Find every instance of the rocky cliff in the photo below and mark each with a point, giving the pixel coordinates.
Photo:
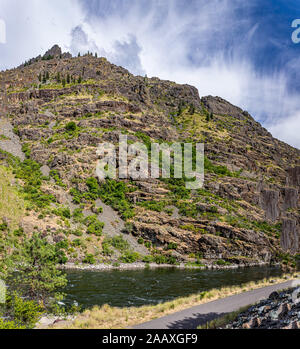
(60, 108)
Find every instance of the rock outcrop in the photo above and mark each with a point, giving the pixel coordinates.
(279, 311)
(247, 211)
(290, 236)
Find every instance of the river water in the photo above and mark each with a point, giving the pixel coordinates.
(152, 286)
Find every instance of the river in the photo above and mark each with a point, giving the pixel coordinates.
(144, 287)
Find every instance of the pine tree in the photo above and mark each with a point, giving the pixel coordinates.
(192, 109)
(58, 77)
(209, 116)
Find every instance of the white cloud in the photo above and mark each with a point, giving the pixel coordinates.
(194, 44)
(33, 26)
(287, 129)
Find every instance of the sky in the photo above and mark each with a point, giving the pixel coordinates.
(239, 50)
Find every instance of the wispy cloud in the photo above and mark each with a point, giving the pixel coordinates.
(239, 51)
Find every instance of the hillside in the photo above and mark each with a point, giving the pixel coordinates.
(55, 110)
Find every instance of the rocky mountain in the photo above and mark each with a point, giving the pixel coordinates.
(55, 109)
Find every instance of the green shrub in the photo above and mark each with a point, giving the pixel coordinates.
(130, 257)
(148, 244)
(89, 259)
(160, 259)
(177, 187)
(29, 172)
(95, 227)
(77, 232)
(106, 250)
(55, 175)
(71, 126)
(76, 242)
(219, 170)
(172, 246)
(157, 206)
(140, 241)
(63, 212)
(38, 276)
(221, 262)
(119, 243)
(3, 226)
(111, 192)
(18, 232)
(78, 215)
(26, 150)
(148, 259)
(128, 229)
(25, 312)
(64, 244)
(10, 325)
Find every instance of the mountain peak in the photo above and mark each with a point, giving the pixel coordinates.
(56, 52)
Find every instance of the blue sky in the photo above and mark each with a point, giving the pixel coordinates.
(240, 50)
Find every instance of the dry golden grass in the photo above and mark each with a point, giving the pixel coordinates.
(224, 320)
(11, 204)
(107, 317)
(196, 124)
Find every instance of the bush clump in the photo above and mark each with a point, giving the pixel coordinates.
(130, 257)
(71, 127)
(111, 192)
(89, 259)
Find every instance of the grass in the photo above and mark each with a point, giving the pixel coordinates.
(223, 320)
(107, 317)
(11, 204)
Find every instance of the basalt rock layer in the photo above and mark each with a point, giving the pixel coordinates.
(246, 212)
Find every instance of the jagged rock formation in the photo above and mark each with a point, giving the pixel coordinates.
(290, 235)
(279, 311)
(269, 202)
(247, 211)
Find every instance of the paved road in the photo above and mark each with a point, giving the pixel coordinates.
(193, 317)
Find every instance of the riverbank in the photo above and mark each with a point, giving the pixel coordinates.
(140, 266)
(192, 318)
(280, 310)
(107, 317)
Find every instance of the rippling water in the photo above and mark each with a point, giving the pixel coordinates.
(142, 287)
